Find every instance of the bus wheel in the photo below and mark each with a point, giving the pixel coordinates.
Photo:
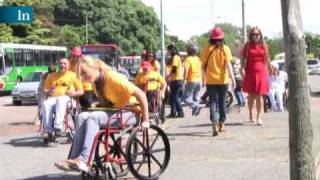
(17, 102)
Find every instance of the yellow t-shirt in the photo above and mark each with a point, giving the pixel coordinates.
(118, 89)
(193, 65)
(62, 82)
(155, 66)
(216, 64)
(153, 78)
(176, 62)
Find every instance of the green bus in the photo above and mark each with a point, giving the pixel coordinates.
(18, 60)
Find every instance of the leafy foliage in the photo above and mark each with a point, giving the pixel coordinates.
(128, 23)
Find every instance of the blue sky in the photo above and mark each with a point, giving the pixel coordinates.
(185, 18)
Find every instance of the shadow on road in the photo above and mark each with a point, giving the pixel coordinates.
(193, 134)
(209, 125)
(21, 124)
(34, 142)
(55, 177)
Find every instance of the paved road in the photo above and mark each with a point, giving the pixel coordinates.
(243, 152)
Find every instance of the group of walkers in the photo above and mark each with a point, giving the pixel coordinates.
(89, 78)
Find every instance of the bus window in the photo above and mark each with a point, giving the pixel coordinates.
(47, 58)
(55, 56)
(8, 62)
(28, 57)
(38, 58)
(62, 54)
(18, 54)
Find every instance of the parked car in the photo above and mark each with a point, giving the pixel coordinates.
(27, 90)
(313, 66)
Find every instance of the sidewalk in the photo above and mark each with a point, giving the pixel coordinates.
(243, 152)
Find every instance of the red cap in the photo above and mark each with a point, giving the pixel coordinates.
(146, 65)
(76, 51)
(217, 33)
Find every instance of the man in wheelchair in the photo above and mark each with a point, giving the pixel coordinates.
(151, 82)
(59, 88)
(113, 89)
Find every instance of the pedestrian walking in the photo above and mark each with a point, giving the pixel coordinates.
(192, 76)
(216, 66)
(254, 63)
(236, 65)
(175, 76)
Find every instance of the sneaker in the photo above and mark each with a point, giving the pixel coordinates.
(214, 130)
(221, 127)
(198, 111)
(172, 116)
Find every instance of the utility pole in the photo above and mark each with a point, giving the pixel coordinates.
(244, 27)
(302, 165)
(163, 63)
(86, 28)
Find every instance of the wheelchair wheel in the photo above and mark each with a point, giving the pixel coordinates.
(229, 98)
(112, 170)
(153, 154)
(93, 175)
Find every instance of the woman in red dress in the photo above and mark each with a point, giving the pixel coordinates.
(255, 60)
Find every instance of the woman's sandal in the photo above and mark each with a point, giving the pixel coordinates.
(259, 122)
(64, 165)
(78, 165)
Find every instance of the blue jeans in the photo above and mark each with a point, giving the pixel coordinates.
(191, 94)
(217, 100)
(175, 96)
(239, 95)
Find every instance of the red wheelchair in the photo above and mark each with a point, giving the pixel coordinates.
(120, 148)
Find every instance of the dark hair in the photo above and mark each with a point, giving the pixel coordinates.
(215, 41)
(173, 49)
(52, 68)
(192, 50)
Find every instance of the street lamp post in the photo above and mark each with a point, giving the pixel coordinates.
(162, 41)
(244, 28)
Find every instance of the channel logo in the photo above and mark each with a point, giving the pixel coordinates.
(16, 14)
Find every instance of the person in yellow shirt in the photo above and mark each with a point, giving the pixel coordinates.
(59, 87)
(150, 81)
(88, 97)
(216, 67)
(176, 81)
(111, 87)
(192, 73)
(155, 65)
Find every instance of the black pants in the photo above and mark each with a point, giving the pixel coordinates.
(175, 97)
(217, 100)
(151, 100)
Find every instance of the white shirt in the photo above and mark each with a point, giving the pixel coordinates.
(278, 83)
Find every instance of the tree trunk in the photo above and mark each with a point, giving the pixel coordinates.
(300, 129)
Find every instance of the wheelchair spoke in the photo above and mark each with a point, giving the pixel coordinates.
(149, 160)
(156, 160)
(154, 141)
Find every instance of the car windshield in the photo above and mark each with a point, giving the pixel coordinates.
(33, 77)
(312, 62)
